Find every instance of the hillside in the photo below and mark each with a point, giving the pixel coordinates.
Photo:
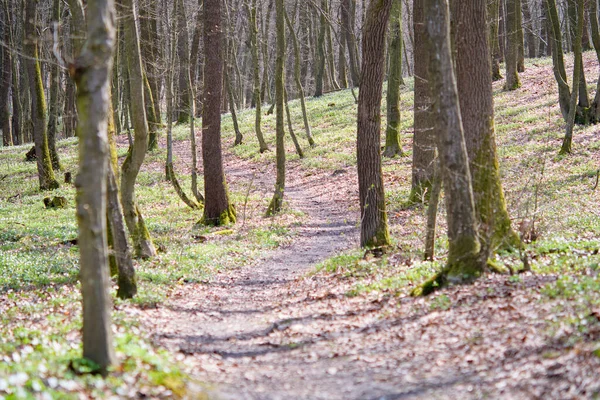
(289, 307)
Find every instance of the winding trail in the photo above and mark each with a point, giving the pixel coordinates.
(270, 331)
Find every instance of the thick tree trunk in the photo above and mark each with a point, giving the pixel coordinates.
(217, 208)
(39, 114)
(373, 216)
(463, 262)
(277, 200)
(477, 112)
(424, 125)
(513, 11)
(92, 77)
(392, 132)
(142, 241)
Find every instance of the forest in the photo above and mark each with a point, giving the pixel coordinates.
(286, 199)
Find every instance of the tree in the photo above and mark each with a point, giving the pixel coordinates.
(424, 121)
(39, 113)
(5, 82)
(298, 81)
(256, 75)
(494, 23)
(463, 263)
(92, 76)
(183, 51)
(277, 200)
(54, 96)
(348, 8)
(474, 85)
(392, 134)
(577, 68)
(373, 216)
(320, 62)
(142, 241)
(217, 208)
(513, 11)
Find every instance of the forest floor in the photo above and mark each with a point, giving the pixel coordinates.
(276, 330)
(289, 307)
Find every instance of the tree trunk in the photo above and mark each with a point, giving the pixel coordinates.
(463, 262)
(577, 68)
(5, 82)
(297, 79)
(342, 73)
(528, 28)
(373, 216)
(217, 208)
(513, 11)
(142, 241)
(183, 66)
(54, 97)
(320, 61)
(521, 36)
(593, 17)
(277, 200)
(560, 74)
(392, 132)
(256, 76)
(494, 23)
(330, 58)
(39, 114)
(92, 77)
(424, 125)
(477, 111)
(348, 9)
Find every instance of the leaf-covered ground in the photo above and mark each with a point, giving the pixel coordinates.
(288, 307)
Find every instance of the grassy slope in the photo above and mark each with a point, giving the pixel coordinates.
(39, 299)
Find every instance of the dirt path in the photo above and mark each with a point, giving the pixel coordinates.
(269, 331)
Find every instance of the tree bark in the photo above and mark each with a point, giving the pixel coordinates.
(217, 208)
(373, 216)
(593, 17)
(297, 79)
(320, 61)
(6, 82)
(277, 200)
(256, 75)
(392, 132)
(494, 22)
(183, 67)
(424, 125)
(560, 74)
(463, 262)
(92, 76)
(513, 11)
(39, 113)
(348, 8)
(474, 86)
(577, 68)
(54, 97)
(142, 241)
